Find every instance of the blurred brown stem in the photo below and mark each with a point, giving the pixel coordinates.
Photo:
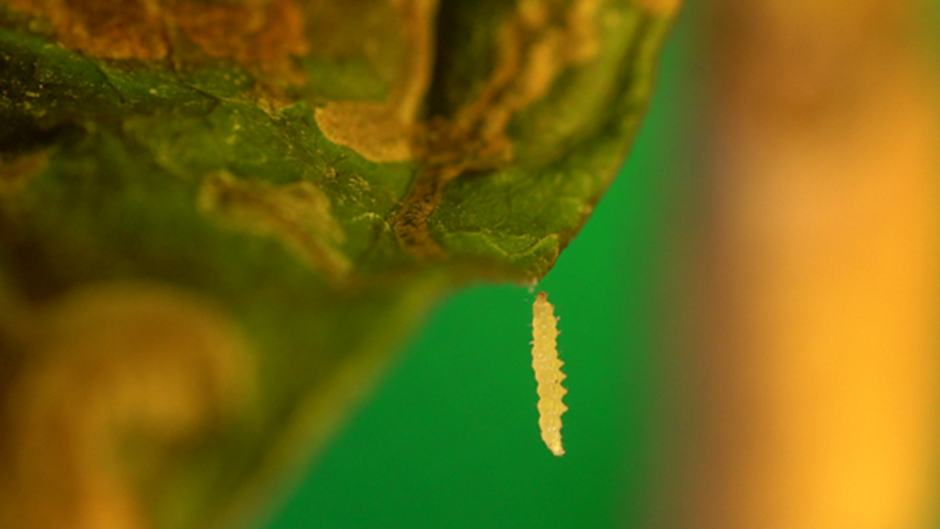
(817, 343)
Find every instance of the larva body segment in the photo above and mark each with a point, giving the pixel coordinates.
(548, 373)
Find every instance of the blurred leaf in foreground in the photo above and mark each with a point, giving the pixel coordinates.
(217, 218)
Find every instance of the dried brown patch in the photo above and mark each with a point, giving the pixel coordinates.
(535, 46)
(297, 214)
(107, 368)
(374, 130)
(15, 173)
(113, 29)
(263, 35)
(382, 132)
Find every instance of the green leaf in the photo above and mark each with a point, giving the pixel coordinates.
(217, 220)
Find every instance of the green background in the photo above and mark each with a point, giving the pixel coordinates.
(450, 438)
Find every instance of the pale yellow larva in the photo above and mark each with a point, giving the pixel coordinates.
(548, 372)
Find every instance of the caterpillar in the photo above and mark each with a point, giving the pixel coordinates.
(548, 373)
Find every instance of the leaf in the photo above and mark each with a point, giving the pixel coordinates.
(217, 219)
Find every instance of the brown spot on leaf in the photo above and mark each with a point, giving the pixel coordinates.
(383, 132)
(264, 36)
(297, 214)
(114, 29)
(374, 130)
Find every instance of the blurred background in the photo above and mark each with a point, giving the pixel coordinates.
(748, 320)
